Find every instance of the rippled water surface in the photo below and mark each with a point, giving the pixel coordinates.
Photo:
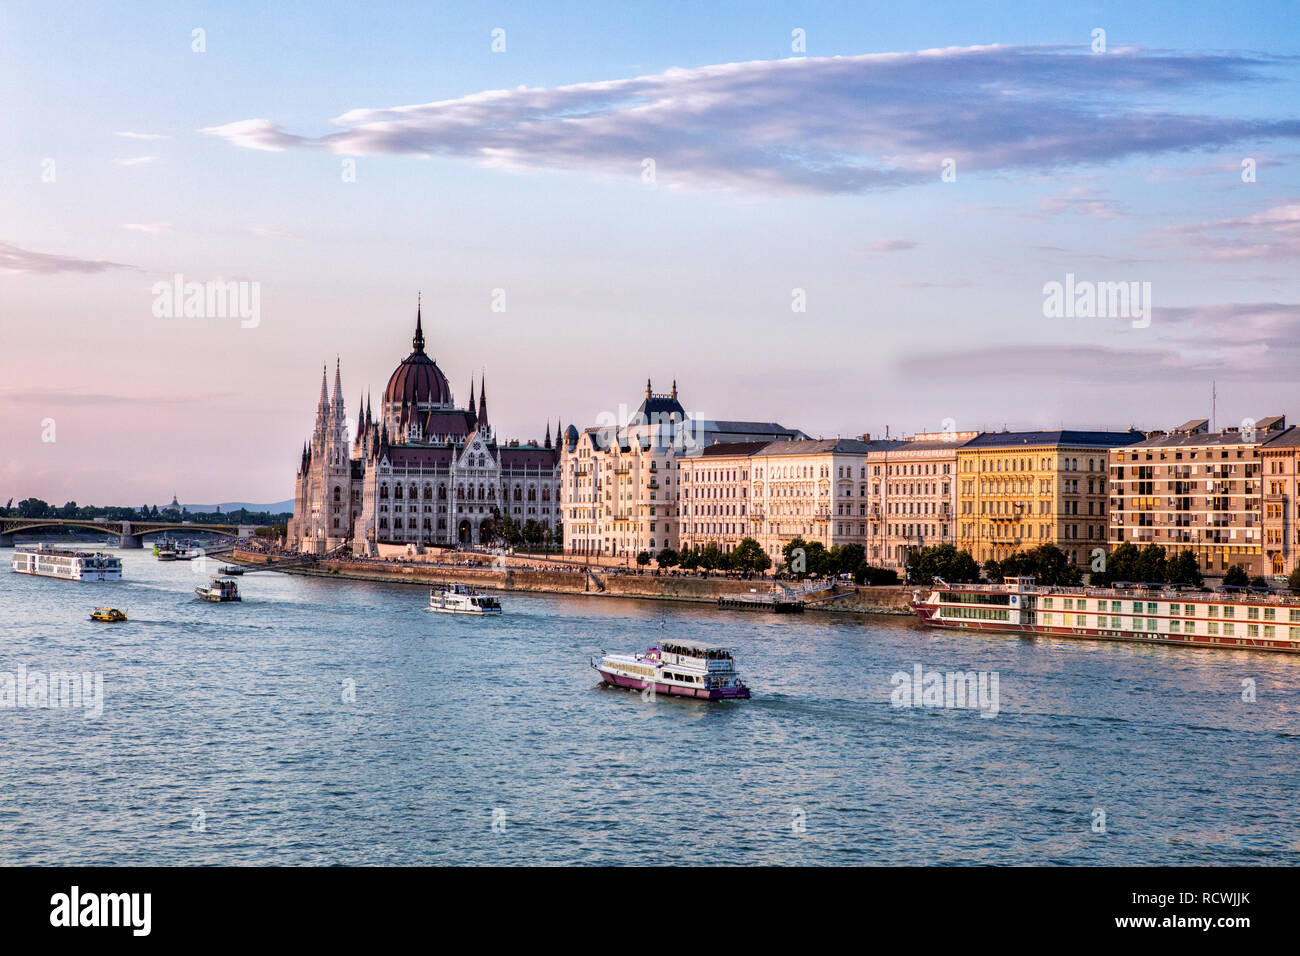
(233, 716)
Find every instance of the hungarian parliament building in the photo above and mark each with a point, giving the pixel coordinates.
(424, 471)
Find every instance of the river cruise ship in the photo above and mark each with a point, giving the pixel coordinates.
(677, 668)
(1233, 619)
(67, 564)
(459, 599)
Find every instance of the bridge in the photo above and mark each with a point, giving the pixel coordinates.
(129, 533)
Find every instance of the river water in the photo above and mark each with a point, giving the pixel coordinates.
(334, 722)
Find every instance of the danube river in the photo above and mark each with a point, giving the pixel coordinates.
(336, 722)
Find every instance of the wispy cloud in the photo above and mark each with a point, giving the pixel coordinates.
(257, 134)
(890, 245)
(153, 228)
(1255, 341)
(882, 120)
(1273, 233)
(136, 161)
(273, 232)
(143, 136)
(1081, 200)
(14, 259)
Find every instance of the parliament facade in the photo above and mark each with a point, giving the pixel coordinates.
(422, 471)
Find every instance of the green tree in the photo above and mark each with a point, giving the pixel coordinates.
(942, 561)
(749, 557)
(643, 559)
(667, 558)
(710, 557)
(1121, 565)
(1152, 568)
(1236, 576)
(1184, 569)
(1293, 579)
(690, 559)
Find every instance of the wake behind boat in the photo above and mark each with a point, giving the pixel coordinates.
(460, 599)
(678, 668)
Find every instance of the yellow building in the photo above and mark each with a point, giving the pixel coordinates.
(1019, 490)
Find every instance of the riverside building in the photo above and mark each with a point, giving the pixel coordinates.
(621, 482)
(1019, 490)
(422, 471)
(1191, 489)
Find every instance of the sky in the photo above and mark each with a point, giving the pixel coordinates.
(844, 217)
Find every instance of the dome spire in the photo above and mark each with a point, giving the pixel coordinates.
(418, 342)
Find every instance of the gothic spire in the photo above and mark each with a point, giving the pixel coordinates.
(418, 342)
(548, 435)
(471, 393)
(482, 401)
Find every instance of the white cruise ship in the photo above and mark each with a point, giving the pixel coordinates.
(67, 564)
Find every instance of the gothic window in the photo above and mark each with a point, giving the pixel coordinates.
(337, 492)
(532, 494)
(383, 492)
(397, 491)
(428, 492)
(442, 492)
(519, 493)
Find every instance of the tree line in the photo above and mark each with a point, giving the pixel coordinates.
(1049, 565)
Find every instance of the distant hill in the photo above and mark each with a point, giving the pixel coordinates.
(275, 507)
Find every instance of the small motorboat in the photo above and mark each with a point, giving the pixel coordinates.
(231, 569)
(107, 614)
(219, 591)
(460, 599)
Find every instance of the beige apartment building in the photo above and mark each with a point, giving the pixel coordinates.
(815, 489)
(1195, 490)
(1019, 490)
(912, 495)
(1280, 466)
(620, 483)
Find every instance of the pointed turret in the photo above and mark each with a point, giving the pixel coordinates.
(417, 342)
(548, 435)
(471, 396)
(482, 402)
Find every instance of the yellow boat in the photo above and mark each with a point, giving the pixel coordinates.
(107, 614)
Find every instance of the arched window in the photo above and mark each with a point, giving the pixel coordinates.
(337, 492)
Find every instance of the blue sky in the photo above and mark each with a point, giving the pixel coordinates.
(774, 172)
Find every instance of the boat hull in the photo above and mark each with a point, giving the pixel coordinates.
(475, 612)
(614, 679)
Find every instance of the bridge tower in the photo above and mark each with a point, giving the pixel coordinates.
(128, 540)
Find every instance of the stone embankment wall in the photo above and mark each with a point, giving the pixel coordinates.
(885, 600)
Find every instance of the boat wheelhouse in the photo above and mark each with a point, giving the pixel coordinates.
(67, 564)
(461, 599)
(1235, 619)
(677, 668)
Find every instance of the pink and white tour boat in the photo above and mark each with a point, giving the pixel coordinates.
(1231, 619)
(679, 668)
